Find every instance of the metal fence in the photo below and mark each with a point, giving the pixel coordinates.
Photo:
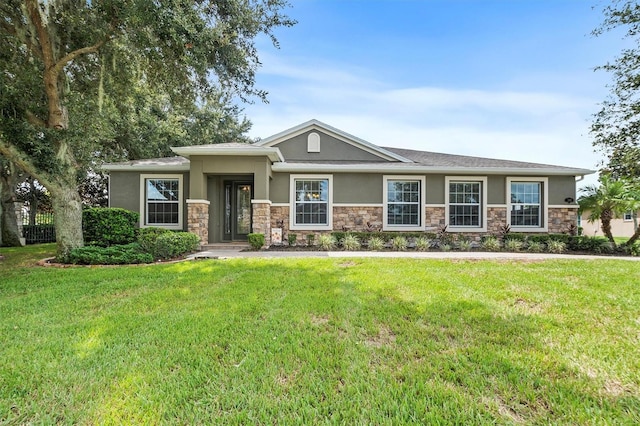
(43, 231)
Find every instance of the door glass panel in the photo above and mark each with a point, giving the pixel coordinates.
(243, 209)
(227, 210)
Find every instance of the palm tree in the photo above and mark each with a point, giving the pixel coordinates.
(607, 201)
(634, 206)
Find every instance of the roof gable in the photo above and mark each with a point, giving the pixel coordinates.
(340, 145)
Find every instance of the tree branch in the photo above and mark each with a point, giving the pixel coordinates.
(59, 65)
(36, 121)
(23, 161)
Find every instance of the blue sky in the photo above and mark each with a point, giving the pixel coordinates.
(503, 78)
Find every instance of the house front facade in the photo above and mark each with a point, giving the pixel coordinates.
(314, 178)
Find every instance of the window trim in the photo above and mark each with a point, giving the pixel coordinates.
(292, 203)
(143, 200)
(483, 202)
(625, 214)
(385, 210)
(544, 203)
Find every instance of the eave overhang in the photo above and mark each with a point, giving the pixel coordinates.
(273, 154)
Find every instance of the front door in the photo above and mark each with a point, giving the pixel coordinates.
(237, 210)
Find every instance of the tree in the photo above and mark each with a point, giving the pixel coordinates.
(56, 55)
(616, 127)
(9, 230)
(611, 199)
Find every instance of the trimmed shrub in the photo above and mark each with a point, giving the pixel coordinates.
(113, 255)
(147, 238)
(350, 242)
(385, 236)
(256, 241)
(109, 226)
(291, 239)
(399, 243)
(490, 244)
(423, 243)
(173, 244)
(327, 242)
(375, 243)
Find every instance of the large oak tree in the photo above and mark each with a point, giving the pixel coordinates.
(55, 54)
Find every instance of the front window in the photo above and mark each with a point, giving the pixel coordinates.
(526, 205)
(311, 202)
(403, 203)
(628, 216)
(163, 201)
(312, 198)
(464, 204)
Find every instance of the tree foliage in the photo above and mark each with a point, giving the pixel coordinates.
(616, 127)
(70, 71)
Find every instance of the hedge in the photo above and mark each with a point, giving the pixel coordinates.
(107, 226)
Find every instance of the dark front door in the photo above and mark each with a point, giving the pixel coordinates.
(237, 210)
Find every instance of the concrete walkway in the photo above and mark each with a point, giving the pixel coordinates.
(234, 253)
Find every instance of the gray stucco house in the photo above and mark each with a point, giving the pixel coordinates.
(314, 178)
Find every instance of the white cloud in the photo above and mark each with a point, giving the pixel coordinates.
(543, 127)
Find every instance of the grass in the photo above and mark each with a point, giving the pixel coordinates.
(319, 341)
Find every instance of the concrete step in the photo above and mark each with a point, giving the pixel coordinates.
(235, 246)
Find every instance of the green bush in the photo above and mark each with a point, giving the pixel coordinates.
(173, 244)
(109, 226)
(311, 239)
(113, 255)
(385, 236)
(490, 244)
(512, 244)
(147, 238)
(291, 239)
(535, 247)
(423, 243)
(556, 246)
(464, 245)
(375, 243)
(399, 243)
(327, 242)
(350, 242)
(256, 241)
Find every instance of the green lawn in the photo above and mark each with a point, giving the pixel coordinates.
(286, 341)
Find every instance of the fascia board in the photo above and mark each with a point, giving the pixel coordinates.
(274, 154)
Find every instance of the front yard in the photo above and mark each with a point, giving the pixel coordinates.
(367, 341)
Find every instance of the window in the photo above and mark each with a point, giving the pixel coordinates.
(465, 203)
(628, 216)
(403, 203)
(311, 202)
(162, 201)
(527, 203)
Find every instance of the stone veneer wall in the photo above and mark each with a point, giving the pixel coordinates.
(262, 219)
(496, 219)
(434, 218)
(198, 219)
(560, 219)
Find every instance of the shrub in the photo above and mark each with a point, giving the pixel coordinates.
(350, 242)
(490, 244)
(423, 243)
(633, 250)
(109, 226)
(113, 255)
(556, 246)
(513, 244)
(173, 244)
(256, 241)
(291, 239)
(399, 243)
(445, 247)
(535, 247)
(311, 239)
(464, 245)
(147, 238)
(327, 242)
(375, 243)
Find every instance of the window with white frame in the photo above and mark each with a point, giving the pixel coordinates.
(311, 202)
(465, 204)
(403, 197)
(628, 216)
(162, 201)
(526, 204)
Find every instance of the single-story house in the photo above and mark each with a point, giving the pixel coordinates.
(623, 226)
(314, 178)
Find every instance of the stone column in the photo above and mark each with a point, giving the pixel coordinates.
(261, 220)
(18, 209)
(198, 219)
